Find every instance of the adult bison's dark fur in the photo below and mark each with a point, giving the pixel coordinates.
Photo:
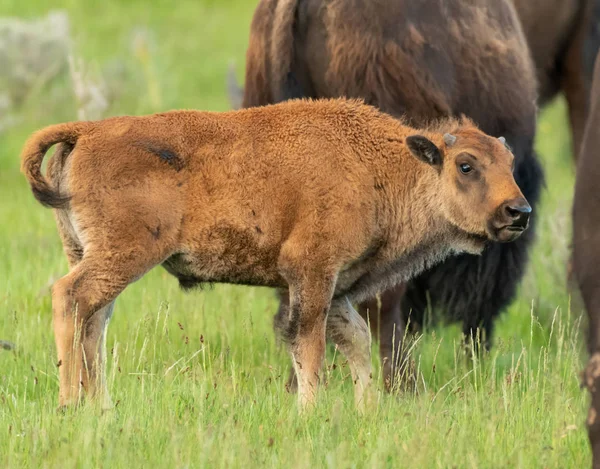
(424, 60)
(563, 47)
(586, 254)
(563, 37)
(592, 41)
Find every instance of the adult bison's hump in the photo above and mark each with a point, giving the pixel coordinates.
(433, 58)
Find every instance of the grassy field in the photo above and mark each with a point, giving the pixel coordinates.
(198, 378)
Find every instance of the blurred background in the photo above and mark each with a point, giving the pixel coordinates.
(87, 60)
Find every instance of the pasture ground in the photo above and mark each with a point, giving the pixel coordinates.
(198, 378)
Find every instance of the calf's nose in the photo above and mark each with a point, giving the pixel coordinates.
(517, 211)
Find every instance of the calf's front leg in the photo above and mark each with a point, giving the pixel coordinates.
(309, 305)
(310, 292)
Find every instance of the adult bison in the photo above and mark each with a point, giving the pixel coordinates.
(586, 255)
(423, 60)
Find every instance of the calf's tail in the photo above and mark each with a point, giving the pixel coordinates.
(33, 154)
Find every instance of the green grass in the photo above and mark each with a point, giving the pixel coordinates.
(198, 378)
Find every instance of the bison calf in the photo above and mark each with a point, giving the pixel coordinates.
(332, 200)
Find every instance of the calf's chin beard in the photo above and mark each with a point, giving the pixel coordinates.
(476, 243)
(470, 241)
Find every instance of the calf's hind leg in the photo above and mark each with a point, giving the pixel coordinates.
(94, 349)
(280, 325)
(82, 303)
(349, 331)
(93, 339)
(395, 343)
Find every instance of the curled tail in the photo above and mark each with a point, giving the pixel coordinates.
(33, 155)
(270, 59)
(284, 76)
(257, 86)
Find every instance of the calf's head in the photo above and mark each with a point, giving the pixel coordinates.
(476, 190)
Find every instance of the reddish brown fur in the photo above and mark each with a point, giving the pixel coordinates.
(586, 255)
(323, 198)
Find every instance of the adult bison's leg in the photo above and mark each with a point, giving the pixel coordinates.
(587, 277)
(576, 69)
(349, 331)
(587, 274)
(574, 86)
(592, 382)
(369, 311)
(393, 348)
(478, 331)
(388, 324)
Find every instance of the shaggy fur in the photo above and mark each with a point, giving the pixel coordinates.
(586, 255)
(591, 42)
(332, 200)
(422, 60)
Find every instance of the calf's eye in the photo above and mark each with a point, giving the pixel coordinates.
(465, 168)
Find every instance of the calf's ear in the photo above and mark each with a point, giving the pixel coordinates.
(424, 149)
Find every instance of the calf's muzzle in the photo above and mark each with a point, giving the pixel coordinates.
(512, 218)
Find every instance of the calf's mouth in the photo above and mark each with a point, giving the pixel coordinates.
(507, 233)
(510, 220)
